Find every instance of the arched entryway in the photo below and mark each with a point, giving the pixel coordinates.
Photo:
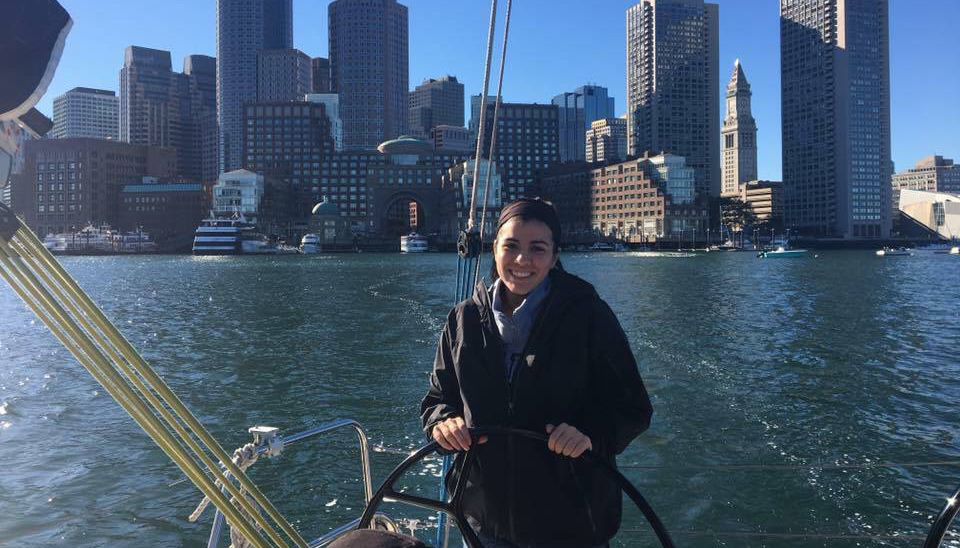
(403, 216)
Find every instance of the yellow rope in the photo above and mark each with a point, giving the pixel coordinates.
(84, 330)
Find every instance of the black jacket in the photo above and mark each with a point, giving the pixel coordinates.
(577, 368)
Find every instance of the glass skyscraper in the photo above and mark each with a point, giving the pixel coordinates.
(244, 28)
(672, 85)
(162, 108)
(835, 103)
(579, 109)
(369, 69)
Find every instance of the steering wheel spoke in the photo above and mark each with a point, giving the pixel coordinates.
(454, 507)
(422, 502)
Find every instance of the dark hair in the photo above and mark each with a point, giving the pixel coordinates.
(533, 209)
(530, 209)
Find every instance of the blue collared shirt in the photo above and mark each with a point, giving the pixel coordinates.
(515, 329)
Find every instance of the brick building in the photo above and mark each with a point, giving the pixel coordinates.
(169, 212)
(639, 200)
(75, 182)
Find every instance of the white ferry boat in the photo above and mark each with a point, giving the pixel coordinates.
(230, 236)
(310, 243)
(133, 242)
(99, 239)
(413, 243)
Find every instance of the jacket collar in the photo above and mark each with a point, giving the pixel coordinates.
(566, 289)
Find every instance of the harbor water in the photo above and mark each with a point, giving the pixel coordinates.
(805, 402)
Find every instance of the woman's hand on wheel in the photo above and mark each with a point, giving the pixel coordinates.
(452, 434)
(566, 440)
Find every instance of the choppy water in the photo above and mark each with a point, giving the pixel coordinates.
(787, 365)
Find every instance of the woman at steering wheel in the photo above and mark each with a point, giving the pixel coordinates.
(538, 350)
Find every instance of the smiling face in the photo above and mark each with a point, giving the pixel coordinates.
(524, 252)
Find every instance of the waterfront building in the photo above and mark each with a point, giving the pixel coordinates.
(672, 81)
(764, 198)
(674, 176)
(331, 106)
(459, 180)
(452, 138)
(835, 109)
(244, 28)
(75, 182)
(568, 187)
(285, 141)
(606, 140)
(435, 102)
(86, 112)
(162, 108)
(369, 69)
(375, 191)
(637, 200)
(934, 213)
(578, 110)
(169, 212)
(739, 135)
(527, 144)
(283, 75)
(238, 192)
(321, 75)
(933, 173)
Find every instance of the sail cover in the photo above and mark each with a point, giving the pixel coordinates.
(32, 35)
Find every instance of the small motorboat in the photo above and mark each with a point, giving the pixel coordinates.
(782, 252)
(894, 252)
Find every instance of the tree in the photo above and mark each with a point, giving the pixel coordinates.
(736, 214)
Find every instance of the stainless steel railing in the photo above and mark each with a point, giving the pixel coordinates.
(272, 444)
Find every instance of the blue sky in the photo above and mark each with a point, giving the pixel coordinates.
(555, 46)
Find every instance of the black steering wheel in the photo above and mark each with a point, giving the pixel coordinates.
(454, 508)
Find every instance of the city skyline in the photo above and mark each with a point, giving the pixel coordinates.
(924, 109)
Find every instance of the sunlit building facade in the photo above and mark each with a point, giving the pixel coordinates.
(835, 109)
(672, 85)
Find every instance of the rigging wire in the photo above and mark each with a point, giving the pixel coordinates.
(483, 110)
(493, 135)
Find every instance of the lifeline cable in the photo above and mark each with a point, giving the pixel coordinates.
(56, 299)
